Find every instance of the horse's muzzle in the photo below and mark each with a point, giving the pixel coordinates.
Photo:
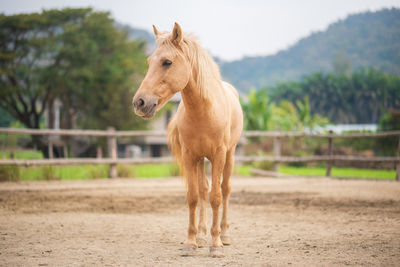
(145, 107)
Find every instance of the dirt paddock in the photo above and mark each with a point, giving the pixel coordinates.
(130, 222)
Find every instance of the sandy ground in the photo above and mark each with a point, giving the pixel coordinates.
(131, 222)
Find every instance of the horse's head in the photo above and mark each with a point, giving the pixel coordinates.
(169, 72)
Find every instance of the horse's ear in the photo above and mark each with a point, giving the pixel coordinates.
(177, 34)
(156, 32)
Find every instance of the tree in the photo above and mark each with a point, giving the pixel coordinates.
(360, 97)
(290, 117)
(262, 114)
(390, 121)
(341, 63)
(28, 61)
(75, 55)
(257, 111)
(103, 66)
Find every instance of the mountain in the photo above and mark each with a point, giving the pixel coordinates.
(139, 34)
(370, 39)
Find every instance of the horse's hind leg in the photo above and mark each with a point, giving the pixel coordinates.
(226, 191)
(203, 192)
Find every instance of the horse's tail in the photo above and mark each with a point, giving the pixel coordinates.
(174, 142)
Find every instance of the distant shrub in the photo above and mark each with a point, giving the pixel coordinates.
(98, 171)
(174, 170)
(125, 172)
(264, 165)
(389, 122)
(49, 174)
(9, 173)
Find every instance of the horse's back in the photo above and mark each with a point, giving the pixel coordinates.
(230, 87)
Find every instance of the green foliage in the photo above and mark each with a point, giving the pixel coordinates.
(261, 114)
(362, 40)
(263, 165)
(148, 170)
(361, 97)
(9, 173)
(257, 111)
(49, 174)
(82, 172)
(20, 154)
(104, 68)
(389, 122)
(338, 172)
(75, 55)
(152, 170)
(244, 170)
(89, 172)
(5, 118)
(29, 61)
(289, 117)
(124, 171)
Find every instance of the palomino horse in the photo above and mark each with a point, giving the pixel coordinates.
(208, 124)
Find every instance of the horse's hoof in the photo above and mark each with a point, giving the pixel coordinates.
(188, 250)
(201, 242)
(226, 240)
(217, 252)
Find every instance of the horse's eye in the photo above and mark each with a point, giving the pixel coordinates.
(167, 63)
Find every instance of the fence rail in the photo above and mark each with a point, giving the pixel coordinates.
(113, 160)
(111, 132)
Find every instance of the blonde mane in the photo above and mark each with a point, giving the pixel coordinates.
(204, 68)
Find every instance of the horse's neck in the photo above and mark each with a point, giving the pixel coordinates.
(195, 104)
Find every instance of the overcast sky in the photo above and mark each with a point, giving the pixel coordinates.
(229, 29)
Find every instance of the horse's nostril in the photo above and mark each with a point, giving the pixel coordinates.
(140, 103)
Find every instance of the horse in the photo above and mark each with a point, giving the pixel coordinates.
(208, 124)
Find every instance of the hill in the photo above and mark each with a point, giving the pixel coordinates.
(139, 34)
(370, 39)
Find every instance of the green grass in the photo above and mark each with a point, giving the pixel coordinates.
(21, 154)
(148, 170)
(338, 172)
(83, 172)
(244, 170)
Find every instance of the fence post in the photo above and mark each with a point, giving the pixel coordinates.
(65, 151)
(99, 152)
(330, 153)
(50, 148)
(112, 153)
(398, 163)
(277, 151)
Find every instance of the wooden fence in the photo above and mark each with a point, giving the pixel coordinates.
(113, 159)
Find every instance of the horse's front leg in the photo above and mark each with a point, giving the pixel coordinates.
(218, 162)
(203, 190)
(190, 166)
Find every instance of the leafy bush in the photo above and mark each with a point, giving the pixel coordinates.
(124, 171)
(361, 97)
(49, 173)
(98, 171)
(9, 173)
(389, 122)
